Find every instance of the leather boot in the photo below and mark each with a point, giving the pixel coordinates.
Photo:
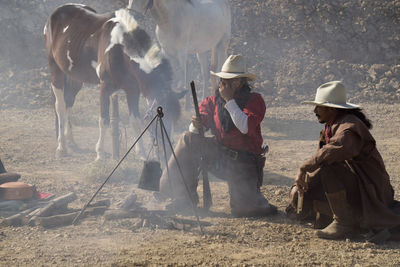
(321, 221)
(344, 224)
(323, 214)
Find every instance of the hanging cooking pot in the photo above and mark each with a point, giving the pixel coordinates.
(150, 177)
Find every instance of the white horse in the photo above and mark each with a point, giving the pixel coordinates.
(191, 27)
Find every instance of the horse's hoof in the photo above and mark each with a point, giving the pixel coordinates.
(61, 154)
(100, 158)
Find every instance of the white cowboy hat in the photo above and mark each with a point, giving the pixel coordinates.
(332, 94)
(234, 67)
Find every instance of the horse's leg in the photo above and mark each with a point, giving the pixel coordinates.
(214, 67)
(71, 89)
(202, 58)
(57, 85)
(104, 119)
(132, 97)
(220, 54)
(61, 111)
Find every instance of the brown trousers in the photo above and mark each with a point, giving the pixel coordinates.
(330, 179)
(243, 176)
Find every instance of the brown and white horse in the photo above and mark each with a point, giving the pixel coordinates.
(107, 49)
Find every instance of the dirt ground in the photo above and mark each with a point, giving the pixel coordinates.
(28, 145)
(292, 46)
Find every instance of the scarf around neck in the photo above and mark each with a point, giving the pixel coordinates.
(240, 97)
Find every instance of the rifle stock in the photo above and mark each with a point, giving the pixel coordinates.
(207, 199)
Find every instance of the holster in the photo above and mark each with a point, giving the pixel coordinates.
(260, 167)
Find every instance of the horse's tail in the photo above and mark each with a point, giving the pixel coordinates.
(47, 37)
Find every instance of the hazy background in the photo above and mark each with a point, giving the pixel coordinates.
(292, 45)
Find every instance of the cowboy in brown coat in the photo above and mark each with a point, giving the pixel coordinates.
(348, 181)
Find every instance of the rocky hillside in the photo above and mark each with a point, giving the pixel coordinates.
(292, 45)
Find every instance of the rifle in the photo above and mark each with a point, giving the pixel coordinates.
(207, 200)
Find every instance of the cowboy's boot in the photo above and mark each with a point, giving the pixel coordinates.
(344, 224)
(323, 214)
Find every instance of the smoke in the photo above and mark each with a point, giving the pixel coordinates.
(294, 46)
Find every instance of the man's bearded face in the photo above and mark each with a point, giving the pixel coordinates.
(324, 114)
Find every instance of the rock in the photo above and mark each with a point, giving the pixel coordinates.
(130, 202)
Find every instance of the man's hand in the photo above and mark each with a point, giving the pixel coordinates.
(197, 123)
(300, 180)
(294, 192)
(227, 92)
(228, 87)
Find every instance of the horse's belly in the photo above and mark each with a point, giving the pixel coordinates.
(87, 75)
(80, 68)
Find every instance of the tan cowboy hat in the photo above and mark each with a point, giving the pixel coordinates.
(332, 94)
(234, 67)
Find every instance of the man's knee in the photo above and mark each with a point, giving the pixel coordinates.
(184, 142)
(189, 138)
(331, 177)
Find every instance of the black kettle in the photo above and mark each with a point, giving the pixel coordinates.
(150, 176)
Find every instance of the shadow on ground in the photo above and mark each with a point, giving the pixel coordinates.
(279, 129)
(271, 178)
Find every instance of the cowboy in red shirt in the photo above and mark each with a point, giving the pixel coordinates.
(233, 153)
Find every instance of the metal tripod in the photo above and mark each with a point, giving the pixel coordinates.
(164, 135)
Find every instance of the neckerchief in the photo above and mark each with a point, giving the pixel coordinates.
(240, 97)
(328, 133)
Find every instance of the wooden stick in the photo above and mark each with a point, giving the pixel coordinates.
(56, 220)
(103, 202)
(16, 219)
(67, 218)
(120, 214)
(51, 206)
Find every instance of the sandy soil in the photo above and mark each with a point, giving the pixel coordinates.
(28, 145)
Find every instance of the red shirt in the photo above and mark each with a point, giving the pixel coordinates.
(234, 139)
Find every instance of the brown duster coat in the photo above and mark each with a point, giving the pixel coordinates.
(352, 143)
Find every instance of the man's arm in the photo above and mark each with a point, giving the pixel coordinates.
(248, 120)
(344, 145)
(239, 118)
(206, 112)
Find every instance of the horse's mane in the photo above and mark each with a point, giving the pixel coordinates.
(79, 5)
(136, 41)
(126, 19)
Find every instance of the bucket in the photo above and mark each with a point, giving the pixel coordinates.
(150, 177)
(16, 190)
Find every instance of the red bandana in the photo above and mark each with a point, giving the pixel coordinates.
(328, 133)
